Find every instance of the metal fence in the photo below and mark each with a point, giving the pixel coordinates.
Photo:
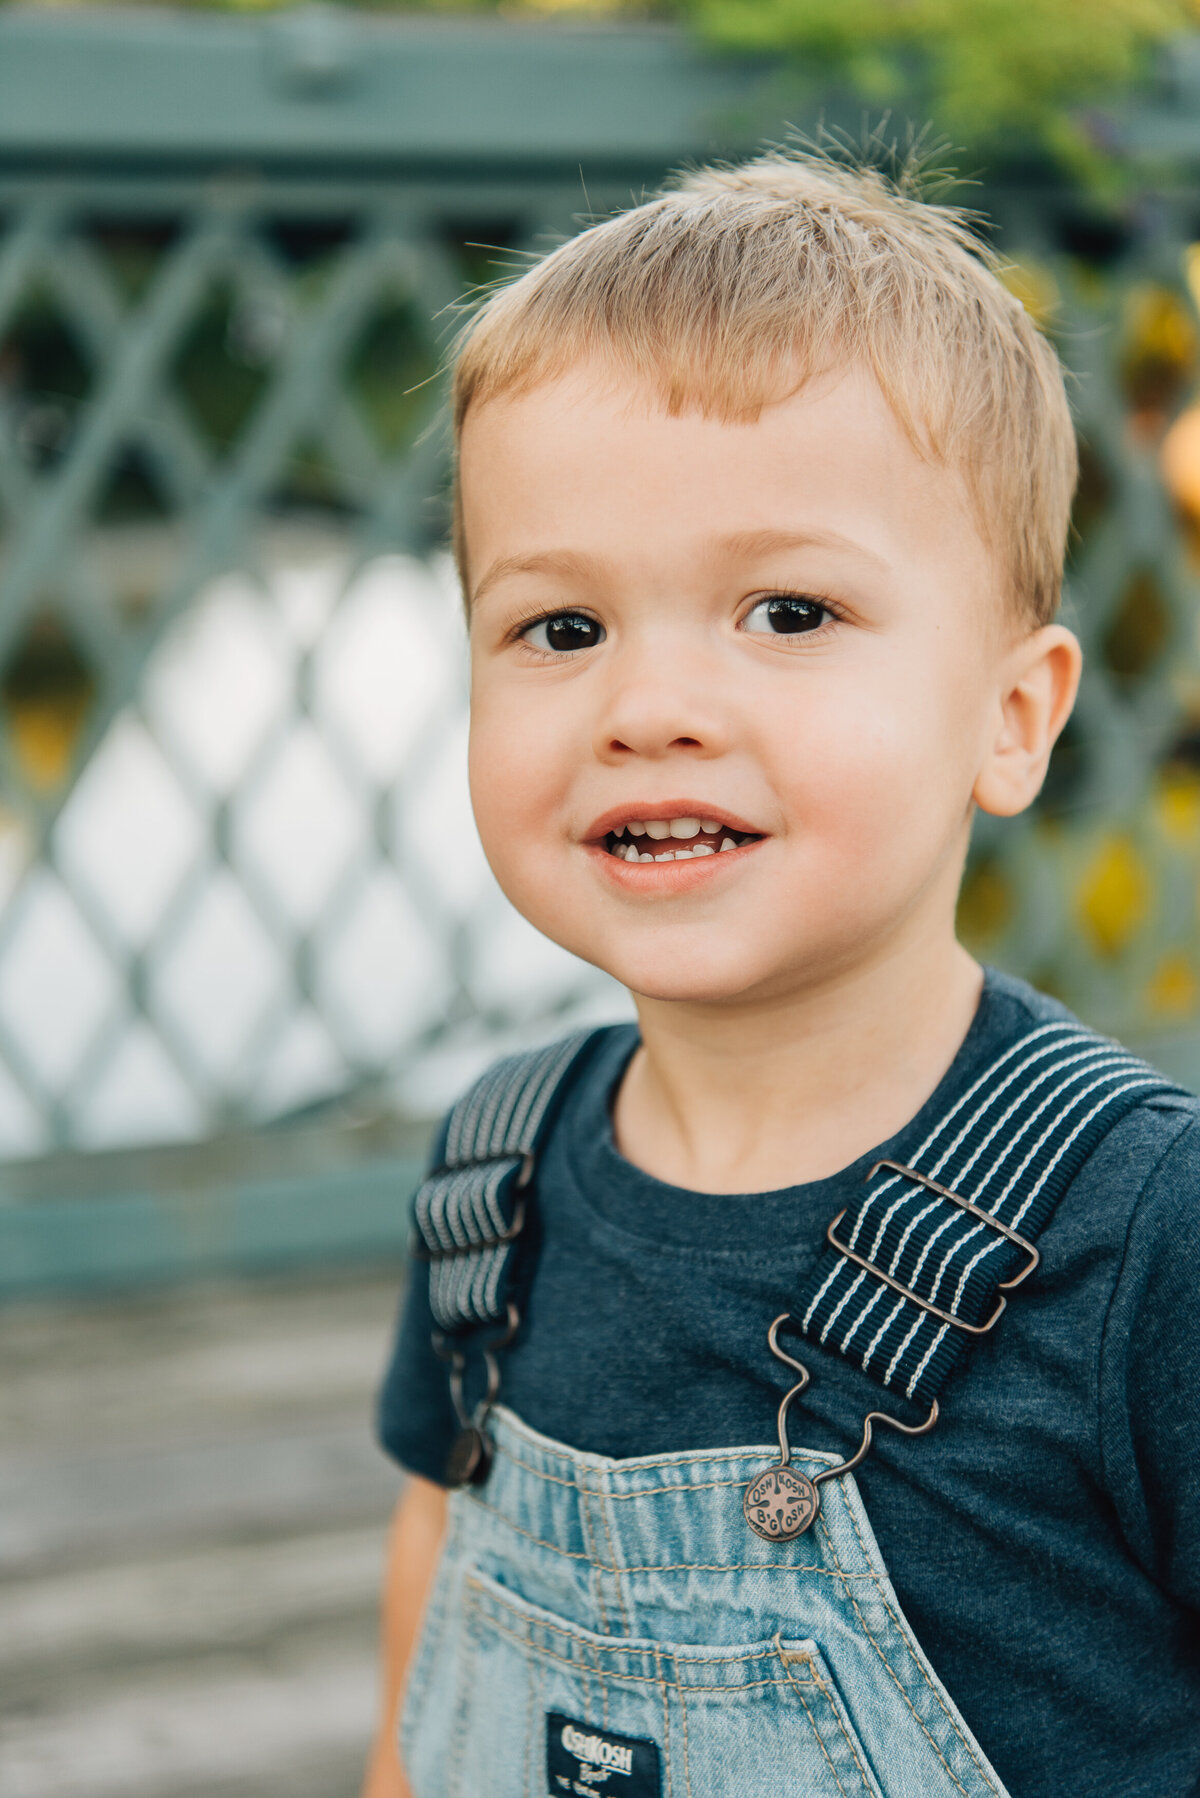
(238, 878)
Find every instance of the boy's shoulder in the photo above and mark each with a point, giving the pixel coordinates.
(1018, 1007)
(1153, 1149)
(511, 1106)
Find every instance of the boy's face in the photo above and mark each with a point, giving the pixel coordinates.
(788, 628)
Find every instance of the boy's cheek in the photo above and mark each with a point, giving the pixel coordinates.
(864, 758)
(520, 781)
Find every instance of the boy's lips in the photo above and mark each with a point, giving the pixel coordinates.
(668, 838)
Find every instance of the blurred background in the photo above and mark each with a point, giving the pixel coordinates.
(248, 943)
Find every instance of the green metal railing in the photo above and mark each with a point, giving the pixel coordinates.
(239, 906)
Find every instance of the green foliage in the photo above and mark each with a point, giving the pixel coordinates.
(995, 74)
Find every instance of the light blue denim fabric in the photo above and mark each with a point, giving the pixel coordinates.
(632, 1598)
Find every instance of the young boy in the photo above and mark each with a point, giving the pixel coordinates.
(764, 488)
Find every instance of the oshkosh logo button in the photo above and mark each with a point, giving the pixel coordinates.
(583, 1760)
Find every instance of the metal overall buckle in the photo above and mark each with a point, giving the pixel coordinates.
(782, 1502)
(470, 1459)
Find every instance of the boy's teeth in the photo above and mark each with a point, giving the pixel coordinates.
(661, 829)
(682, 855)
(629, 852)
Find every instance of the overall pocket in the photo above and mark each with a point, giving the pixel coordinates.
(542, 1708)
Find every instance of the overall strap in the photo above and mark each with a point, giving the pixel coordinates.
(470, 1210)
(916, 1273)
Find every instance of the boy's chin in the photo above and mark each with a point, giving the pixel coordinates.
(695, 985)
(721, 975)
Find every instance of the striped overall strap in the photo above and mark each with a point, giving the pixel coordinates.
(470, 1209)
(913, 1275)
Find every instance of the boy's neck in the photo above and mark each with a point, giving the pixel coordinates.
(751, 1099)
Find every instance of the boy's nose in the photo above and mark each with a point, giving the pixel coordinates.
(655, 711)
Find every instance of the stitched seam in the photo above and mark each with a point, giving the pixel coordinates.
(597, 1576)
(616, 1679)
(645, 1492)
(662, 1686)
(656, 1491)
(896, 1680)
(528, 1467)
(836, 1711)
(570, 1554)
(746, 1567)
(904, 1635)
(588, 1672)
(586, 1681)
(812, 1724)
(489, 1597)
(575, 1554)
(534, 1673)
(615, 1570)
(687, 1760)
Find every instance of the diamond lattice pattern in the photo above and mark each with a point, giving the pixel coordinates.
(238, 872)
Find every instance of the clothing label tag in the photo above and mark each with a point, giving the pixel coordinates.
(584, 1760)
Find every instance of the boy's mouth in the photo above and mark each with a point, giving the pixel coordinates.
(674, 839)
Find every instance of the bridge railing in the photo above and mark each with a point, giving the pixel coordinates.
(247, 938)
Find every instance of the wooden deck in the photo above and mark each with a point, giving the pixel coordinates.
(192, 1512)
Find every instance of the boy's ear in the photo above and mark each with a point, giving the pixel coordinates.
(1039, 679)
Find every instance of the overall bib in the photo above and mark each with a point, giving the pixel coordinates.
(618, 1626)
(613, 1626)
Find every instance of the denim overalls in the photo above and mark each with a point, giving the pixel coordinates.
(612, 1626)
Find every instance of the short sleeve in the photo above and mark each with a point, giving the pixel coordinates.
(415, 1417)
(1150, 1374)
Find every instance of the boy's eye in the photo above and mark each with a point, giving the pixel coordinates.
(563, 632)
(783, 616)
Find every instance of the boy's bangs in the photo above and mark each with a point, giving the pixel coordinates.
(736, 289)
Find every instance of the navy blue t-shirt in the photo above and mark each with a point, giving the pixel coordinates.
(1044, 1540)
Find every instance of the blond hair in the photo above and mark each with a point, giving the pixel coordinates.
(736, 285)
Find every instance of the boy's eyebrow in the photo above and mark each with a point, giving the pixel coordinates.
(571, 565)
(565, 562)
(750, 544)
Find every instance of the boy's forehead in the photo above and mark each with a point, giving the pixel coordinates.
(593, 464)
